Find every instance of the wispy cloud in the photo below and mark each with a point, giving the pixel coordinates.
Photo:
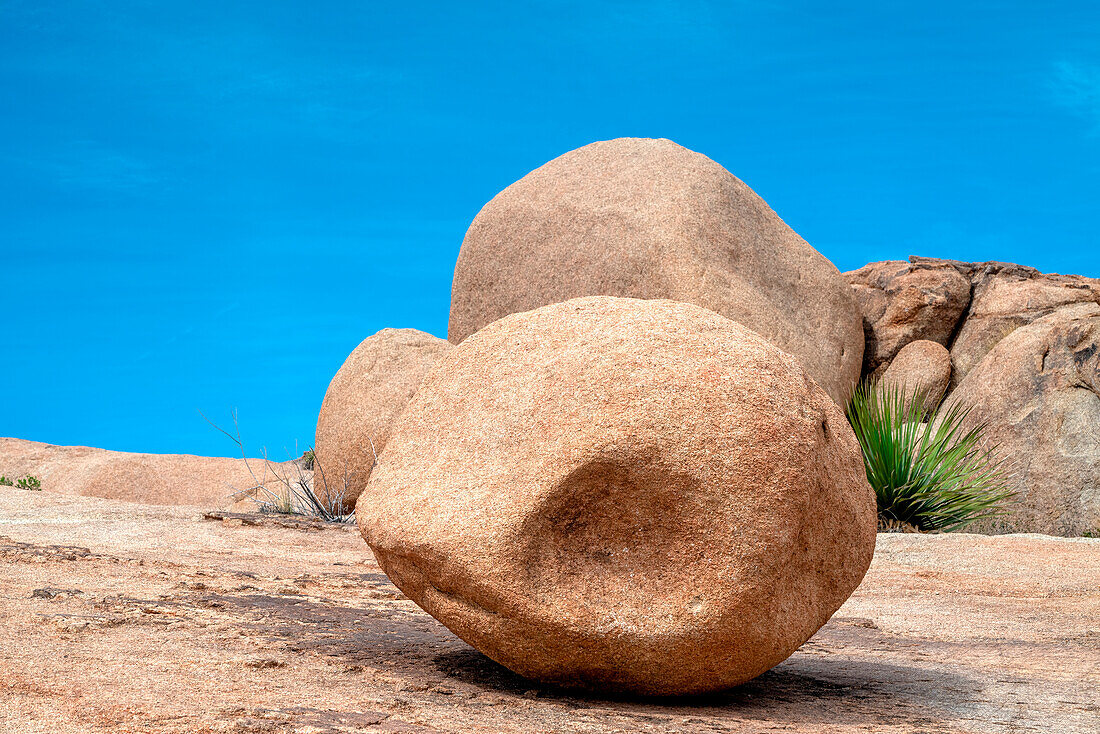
(1076, 86)
(90, 166)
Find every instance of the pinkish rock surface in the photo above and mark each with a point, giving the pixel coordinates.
(904, 302)
(162, 479)
(921, 368)
(1038, 392)
(118, 618)
(967, 307)
(1006, 297)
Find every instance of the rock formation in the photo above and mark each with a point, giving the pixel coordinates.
(1038, 391)
(650, 219)
(368, 392)
(1037, 412)
(904, 302)
(1007, 296)
(623, 494)
(967, 307)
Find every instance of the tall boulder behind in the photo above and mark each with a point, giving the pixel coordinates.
(650, 219)
(368, 392)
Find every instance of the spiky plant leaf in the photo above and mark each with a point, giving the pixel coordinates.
(934, 475)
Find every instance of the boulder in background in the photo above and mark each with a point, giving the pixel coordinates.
(1038, 392)
(903, 302)
(368, 392)
(647, 218)
(921, 367)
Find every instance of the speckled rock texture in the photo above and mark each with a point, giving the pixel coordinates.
(648, 218)
(625, 495)
(921, 368)
(368, 392)
(967, 307)
(1007, 296)
(1038, 391)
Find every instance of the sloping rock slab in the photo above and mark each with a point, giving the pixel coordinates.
(161, 479)
(105, 627)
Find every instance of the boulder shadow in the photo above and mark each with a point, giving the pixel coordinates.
(804, 689)
(849, 674)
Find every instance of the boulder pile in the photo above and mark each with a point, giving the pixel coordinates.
(629, 467)
(1022, 350)
(903, 302)
(632, 472)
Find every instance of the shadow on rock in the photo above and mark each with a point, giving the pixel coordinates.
(835, 678)
(802, 689)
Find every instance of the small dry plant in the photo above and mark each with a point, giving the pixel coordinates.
(288, 490)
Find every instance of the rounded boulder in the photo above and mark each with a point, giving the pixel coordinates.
(623, 494)
(922, 368)
(646, 218)
(368, 392)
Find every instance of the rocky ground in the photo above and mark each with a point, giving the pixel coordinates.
(119, 617)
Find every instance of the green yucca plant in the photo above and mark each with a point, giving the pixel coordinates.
(934, 475)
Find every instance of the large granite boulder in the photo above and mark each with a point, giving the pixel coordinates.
(1038, 391)
(921, 368)
(368, 392)
(904, 302)
(651, 219)
(623, 494)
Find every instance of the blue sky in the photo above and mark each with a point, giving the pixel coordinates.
(206, 206)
